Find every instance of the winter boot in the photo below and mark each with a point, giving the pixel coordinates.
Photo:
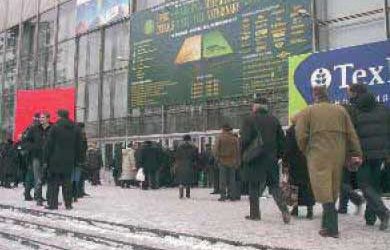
(181, 191)
(385, 222)
(329, 221)
(309, 214)
(294, 211)
(27, 196)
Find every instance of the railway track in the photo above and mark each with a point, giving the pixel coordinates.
(110, 232)
(30, 242)
(79, 237)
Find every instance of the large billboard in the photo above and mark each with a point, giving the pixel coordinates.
(94, 13)
(29, 102)
(367, 64)
(194, 50)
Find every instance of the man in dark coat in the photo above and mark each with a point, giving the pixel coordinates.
(150, 159)
(77, 179)
(10, 164)
(62, 153)
(25, 150)
(349, 181)
(94, 163)
(263, 170)
(372, 123)
(36, 138)
(186, 159)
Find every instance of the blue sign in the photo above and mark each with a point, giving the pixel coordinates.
(367, 64)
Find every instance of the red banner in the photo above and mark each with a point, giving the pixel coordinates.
(30, 102)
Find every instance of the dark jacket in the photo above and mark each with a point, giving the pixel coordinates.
(9, 159)
(83, 147)
(35, 140)
(63, 147)
(273, 140)
(372, 124)
(150, 157)
(186, 159)
(294, 160)
(94, 160)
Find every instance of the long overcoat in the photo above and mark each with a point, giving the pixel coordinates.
(186, 158)
(326, 136)
(63, 147)
(129, 170)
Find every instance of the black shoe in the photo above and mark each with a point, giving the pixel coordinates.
(28, 198)
(68, 207)
(385, 222)
(40, 203)
(51, 208)
(370, 223)
(309, 214)
(326, 233)
(222, 199)
(342, 211)
(294, 211)
(214, 192)
(252, 218)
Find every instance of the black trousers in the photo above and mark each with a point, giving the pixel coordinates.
(256, 189)
(54, 183)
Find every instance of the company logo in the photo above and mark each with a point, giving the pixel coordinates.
(349, 74)
(321, 77)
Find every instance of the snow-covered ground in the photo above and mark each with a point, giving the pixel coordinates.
(204, 215)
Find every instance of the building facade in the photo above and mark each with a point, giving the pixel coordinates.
(39, 48)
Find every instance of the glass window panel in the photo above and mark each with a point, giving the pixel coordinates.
(2, 42)
(80, 109)
(26, 73)
(46, 29)
(117, 46)
(65, 61)
(10, 58)
(120, 95)
(92, 100)
(45, 73)
(106, 105)
(67, 20)
(89, 49)
(145, 4)
(8, 110)
(28, 39)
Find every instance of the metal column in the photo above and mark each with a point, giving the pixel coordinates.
(315, 26)
(387, 21)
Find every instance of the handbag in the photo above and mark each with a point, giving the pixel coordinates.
(140, 175)
(254, 150)
(289, 192)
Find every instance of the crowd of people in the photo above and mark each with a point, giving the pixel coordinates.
(327, 153)
(54, 155)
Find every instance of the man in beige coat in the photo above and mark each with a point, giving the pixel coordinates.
(326, 136)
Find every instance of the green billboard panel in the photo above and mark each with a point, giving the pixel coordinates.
(194, 50)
